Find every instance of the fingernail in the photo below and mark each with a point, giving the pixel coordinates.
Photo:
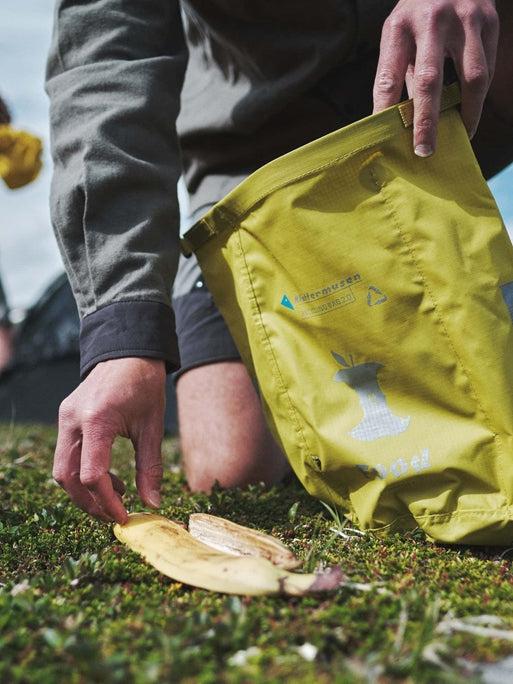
(154, 498)
(423, 150)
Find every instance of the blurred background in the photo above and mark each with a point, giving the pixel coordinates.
(29, 258)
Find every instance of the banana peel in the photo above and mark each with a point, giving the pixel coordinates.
(238, 540)
(174, 552)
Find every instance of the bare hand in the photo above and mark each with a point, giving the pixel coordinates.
(417, 37)
(119, 397)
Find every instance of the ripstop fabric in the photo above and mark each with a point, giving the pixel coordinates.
(370, 293)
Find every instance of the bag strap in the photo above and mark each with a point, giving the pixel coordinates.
(450, 98)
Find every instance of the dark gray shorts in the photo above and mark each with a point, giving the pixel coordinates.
(203, 336)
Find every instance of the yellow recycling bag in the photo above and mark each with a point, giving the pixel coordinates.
(370, 292)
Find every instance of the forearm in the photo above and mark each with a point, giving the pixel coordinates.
(114, 77)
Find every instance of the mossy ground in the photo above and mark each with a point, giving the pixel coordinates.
(76, 606)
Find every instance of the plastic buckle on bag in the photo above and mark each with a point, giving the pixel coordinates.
(196, 236)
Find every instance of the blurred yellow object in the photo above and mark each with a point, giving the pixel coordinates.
(20, 157)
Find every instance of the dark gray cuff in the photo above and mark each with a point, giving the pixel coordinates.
(121, 329)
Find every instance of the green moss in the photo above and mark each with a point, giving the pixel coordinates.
(77, 606)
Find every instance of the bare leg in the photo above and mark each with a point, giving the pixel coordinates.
(223, 434)
(6, 346)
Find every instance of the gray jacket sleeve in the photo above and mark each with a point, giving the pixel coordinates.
(114, 76)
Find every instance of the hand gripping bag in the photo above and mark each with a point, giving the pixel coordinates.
(370, 294)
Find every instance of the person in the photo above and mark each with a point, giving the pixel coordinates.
(6, 330)
(20, 164)
(245, 82)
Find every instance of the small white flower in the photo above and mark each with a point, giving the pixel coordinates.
(20, 588)
(308, 651)
(241, 657)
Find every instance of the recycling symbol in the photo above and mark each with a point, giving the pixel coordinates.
(375, 296)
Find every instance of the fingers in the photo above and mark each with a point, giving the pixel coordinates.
(81, 463)
(149, 475)
(416, 57)
(95, 476)
(427, 93)
(121, 397)
(148, 456)
(416, 40)
(66, 472)
(396, 56)
(475, 72)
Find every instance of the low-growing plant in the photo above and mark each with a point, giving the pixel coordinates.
(77, 606)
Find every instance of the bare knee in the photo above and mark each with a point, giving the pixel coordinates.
(223, 433)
